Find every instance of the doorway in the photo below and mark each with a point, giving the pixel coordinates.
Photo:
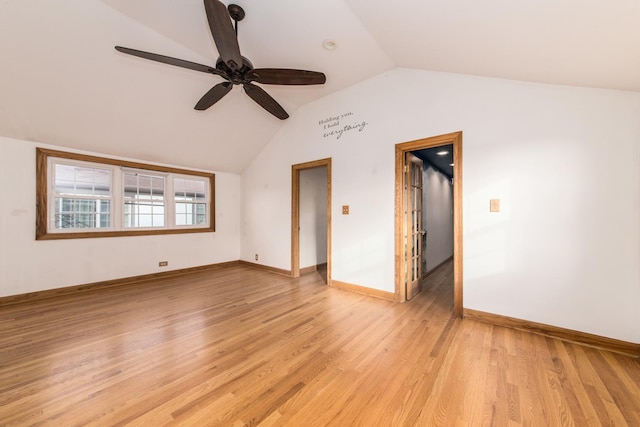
(311, 218)
(409, 236)
(437, 207)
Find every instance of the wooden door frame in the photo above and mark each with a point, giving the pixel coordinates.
(295, 214)
(454, 139)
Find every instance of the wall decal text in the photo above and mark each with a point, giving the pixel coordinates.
(334, 126)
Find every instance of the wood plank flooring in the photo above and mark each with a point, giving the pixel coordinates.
(237, 346)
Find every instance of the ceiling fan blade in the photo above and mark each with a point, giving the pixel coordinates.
(223, 33)
(285, 76)
(171, 61)
(265, 100)
(214, 95)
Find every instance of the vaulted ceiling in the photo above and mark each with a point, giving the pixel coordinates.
(62, 82)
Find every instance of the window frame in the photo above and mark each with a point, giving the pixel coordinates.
(43, 185)
(174, 206)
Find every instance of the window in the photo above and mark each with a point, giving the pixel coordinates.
(190, 199)
(144, 204)
(81, 196)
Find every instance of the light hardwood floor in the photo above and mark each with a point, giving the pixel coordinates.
(238, 346)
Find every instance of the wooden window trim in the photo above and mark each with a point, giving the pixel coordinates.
(42, 233)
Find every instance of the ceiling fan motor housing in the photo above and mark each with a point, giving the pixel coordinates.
(236, 77)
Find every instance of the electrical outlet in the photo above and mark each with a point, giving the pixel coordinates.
(345, 210)
(163, 263)
(256, 257)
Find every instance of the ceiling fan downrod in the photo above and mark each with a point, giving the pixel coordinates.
(237, 14)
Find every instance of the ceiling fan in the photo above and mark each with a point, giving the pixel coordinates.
(233, 67)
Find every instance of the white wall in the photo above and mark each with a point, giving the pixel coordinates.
(564, 161)
(438, 216)
(27, 265)
(313, 217)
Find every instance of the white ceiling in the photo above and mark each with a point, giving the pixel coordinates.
(62, 83)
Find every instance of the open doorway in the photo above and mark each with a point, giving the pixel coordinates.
(436, 207)
(410, 237)
(311, 218)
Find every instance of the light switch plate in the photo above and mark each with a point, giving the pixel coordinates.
(494, 205)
